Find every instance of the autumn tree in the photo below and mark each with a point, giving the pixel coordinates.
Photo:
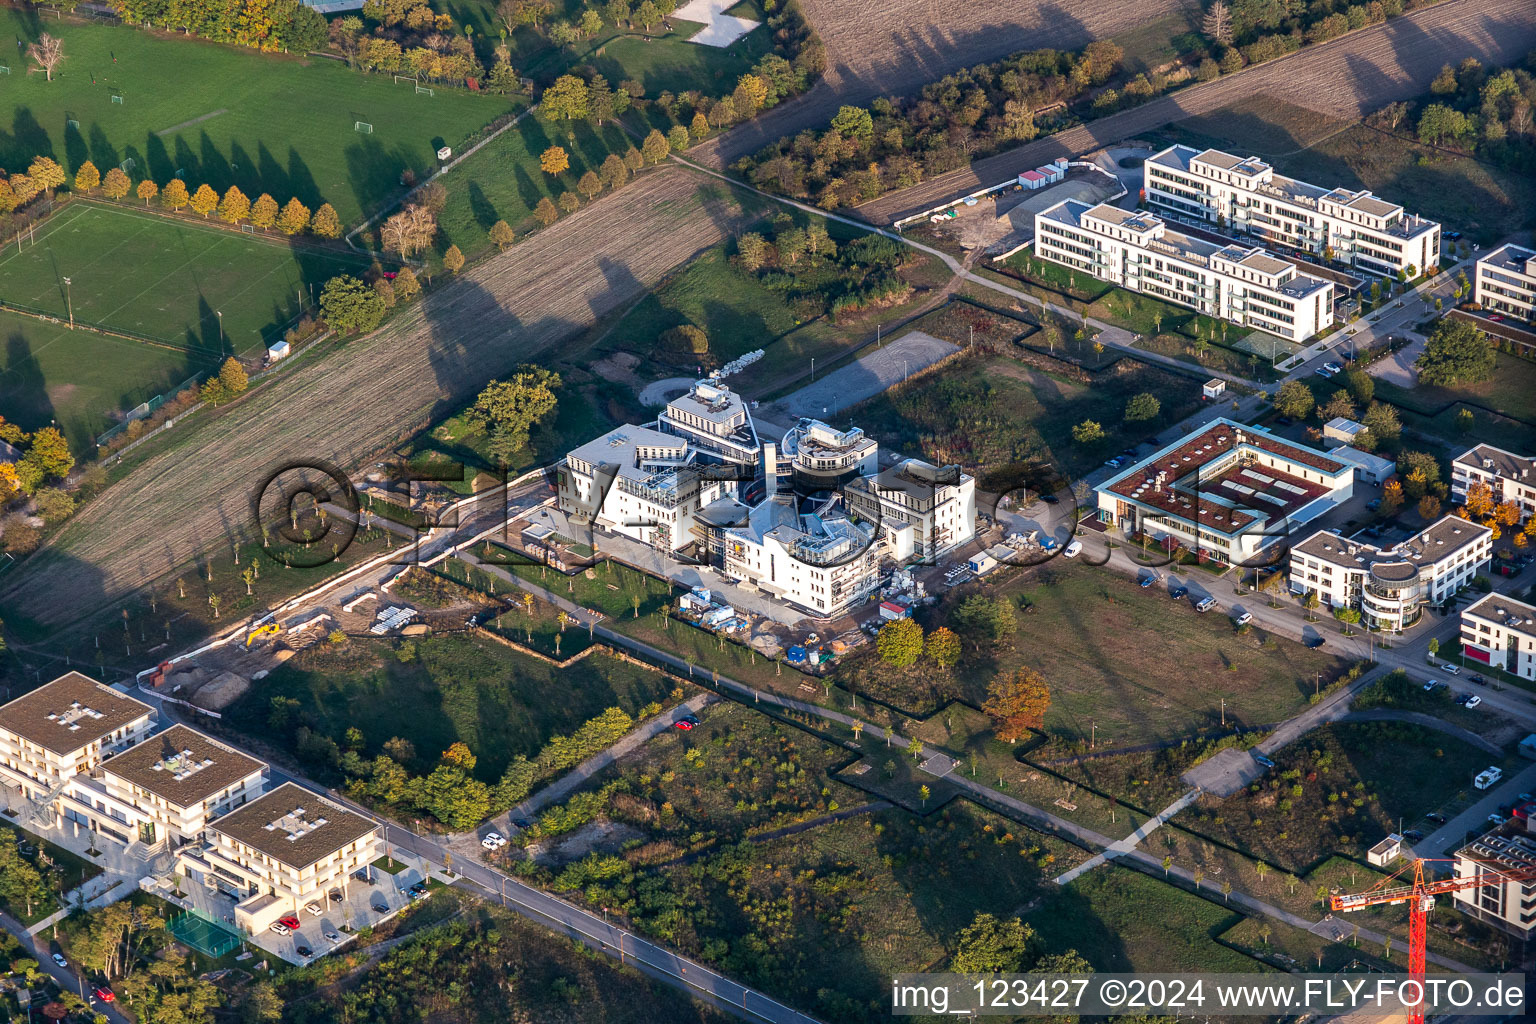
(46, 174)
(147, 190)
(900, 642)
(589, 185)
(453, 259)
(1294, 400)
(1088, 432)
(508, 409)
(349, 306)
(654, 148)
(87, 177)
(545, 212)
(1429, 507)
(699, 127)
(294, 218)
(501, 234)
(233, 378)
(409, 231)
(943, 647)
(325, 223)
(47, 53)
(1507, 513)
(116, 184)
(234, 207)
(406, 285)
(565, 100)
(614, 172)
(1479, 501)
(47, 456)
(990, 946)
(264, 212)
(1017, 702)
(205, 200)
(678, 138)
(554, 160)
(1391, 498)
(569, 202)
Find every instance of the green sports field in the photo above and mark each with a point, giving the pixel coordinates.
(227, 116)
(167, 279)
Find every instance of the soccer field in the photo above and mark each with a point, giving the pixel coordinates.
(168, 279)
(225, 115)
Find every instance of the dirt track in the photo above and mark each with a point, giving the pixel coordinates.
(350, 405)
(1345, 78)
(894, 47)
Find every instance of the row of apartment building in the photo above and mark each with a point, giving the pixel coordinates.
(90, 754)
(810, 519)
(1506, 282)
(1242, 284)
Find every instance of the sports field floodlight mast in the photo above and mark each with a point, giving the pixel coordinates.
(69, 304)
(1420, 897)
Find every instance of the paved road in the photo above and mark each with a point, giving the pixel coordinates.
(1345, 78)
(68, 979)
(1444, 840)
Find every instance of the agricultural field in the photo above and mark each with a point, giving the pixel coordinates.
(454, 689)
(733, 855)
(217, 123)
(993, 414)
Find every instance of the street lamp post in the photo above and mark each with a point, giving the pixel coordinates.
(220, 314)
(69, 303)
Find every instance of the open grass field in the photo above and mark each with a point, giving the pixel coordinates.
(430, 359)
(174, 281)
(1121, 920)
(229, 116)
(1503, 409)
(81, 380)
(477, 691)
(993, 413)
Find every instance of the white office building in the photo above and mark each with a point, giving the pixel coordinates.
(808, 553)
(1500, 632)
(1511, 477)
(1505, 903)
(1245, 194)
(1391, 586)
(1506, 282)
(63, 729)
(1140, 252)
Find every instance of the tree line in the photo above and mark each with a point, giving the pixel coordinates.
(1476, 110)
(262, 24)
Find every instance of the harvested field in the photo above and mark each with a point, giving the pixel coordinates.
(1345, 78)
(891, 47)
(346, 406)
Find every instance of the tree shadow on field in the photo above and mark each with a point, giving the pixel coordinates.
(274, 179)
(373, 171)
(301, 183)
(103, 153)
(480, 207)
(528, 190)
(159, 165)
(23, 387)
(216, 171)
(186, 165)
(75, 150)
(26, 141)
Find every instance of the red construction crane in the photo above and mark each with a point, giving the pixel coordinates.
(1420, 897)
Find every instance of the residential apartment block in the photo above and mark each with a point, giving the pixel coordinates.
(163, 791)
(64, 729)
(1506, 282)
(1228, 491)
(823, 519)
(280, 852)
(1509, 905)
(1511, 477)
(1500, 632)
(1391, 586)
(1245, 194)
(1139, 251)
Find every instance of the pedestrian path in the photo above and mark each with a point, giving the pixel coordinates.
(1121, 847)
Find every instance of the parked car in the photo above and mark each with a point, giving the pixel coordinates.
(289, 922)
(1497, 318)
(280, 928)
(1413, 835)
(1479, 680)
(1452, 670)
(1429, 686)
(1473, 700)
(1205, 604)
(1261, 759)
(58, 958)
(334, 895)
(1147, 581)
(1177, 591)
(1496, 819)
(522, 823)
(1316, 642)
(493, 841)
(1074, 549)
(684, 724)
(380, 907)
(314, 908)
(1243, 619)
(1333, 367)
(304, 951)
(331, 936)
(1438, 819)
(106, 995)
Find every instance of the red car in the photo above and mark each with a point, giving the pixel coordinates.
(289, 922)
(105, 995)
(1497, 318)
(683, 724)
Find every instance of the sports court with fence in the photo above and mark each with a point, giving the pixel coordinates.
(203, 933)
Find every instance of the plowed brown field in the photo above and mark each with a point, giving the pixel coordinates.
(350, 405)
(1345, 78)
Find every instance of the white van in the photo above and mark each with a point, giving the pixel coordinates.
(1488, 778)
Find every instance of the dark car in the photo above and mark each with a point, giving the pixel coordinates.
(1413, 835)
(522, 822)
(335, 895)
(1049, 499)
(1147, 581)
(1178, 591)
(1438, 819)
(1479, 680)
(1316, 642)
(381, 908)
(1266, 762)
(304, 951)
(1284, 421)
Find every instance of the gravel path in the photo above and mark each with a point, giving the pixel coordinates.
(1346, 78)
(347, 406)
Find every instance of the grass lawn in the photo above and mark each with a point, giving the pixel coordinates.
(1482, 201)
(994, 414)
(82, 380)
(264, 122)
(499, 702)
(1122, 920)
(169, 279)
(610, 588)
(1503, 409)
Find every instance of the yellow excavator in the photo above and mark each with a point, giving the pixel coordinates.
(266, 629)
